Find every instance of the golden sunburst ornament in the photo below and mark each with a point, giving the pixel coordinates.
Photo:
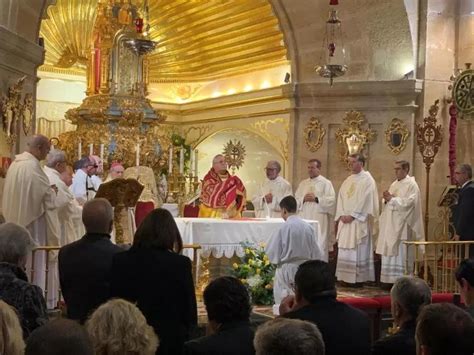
(234, 153)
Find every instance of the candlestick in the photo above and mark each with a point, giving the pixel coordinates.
(138, 155)
(102, 152)
(79, 150)
(91, 149)
(181, 161)
(191, 165)
(196, 162)
(170, 161)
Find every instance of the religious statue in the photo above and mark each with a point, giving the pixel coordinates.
(27, 113)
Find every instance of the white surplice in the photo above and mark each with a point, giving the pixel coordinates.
(29, 200)
(358, 198)
(321, 211)
(293, 244)
(279, 188)
(401, 219)
(82, 187)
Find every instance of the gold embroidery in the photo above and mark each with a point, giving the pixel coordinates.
(351, 190)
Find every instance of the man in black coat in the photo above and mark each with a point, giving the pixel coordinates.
(463, 216)
(345, 329)
(84, 266)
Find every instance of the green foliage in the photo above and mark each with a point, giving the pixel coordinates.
(256, 273)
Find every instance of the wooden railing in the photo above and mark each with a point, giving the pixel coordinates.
(436, 265)
(49, 249)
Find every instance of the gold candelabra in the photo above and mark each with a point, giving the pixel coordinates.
(181, 188)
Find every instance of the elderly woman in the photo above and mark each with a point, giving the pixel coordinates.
(27, 299)
(153, 275)
(119, 328)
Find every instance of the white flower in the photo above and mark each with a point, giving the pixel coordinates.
(254, 281)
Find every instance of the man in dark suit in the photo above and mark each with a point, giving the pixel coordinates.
(408, 295)
(345, 329)
(228, 310)
(463, 215)
(84, 265)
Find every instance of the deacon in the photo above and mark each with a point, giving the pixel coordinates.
(317, 201)
(401, 219)
(357, 210)
(267, 202)
(293, 244)
(69, 211)
(222, 195)
(82, 186)
(29, 200)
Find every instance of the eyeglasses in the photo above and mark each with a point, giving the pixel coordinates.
(270, 169)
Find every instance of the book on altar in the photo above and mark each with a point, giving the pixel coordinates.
(448, 196)
(121, 192)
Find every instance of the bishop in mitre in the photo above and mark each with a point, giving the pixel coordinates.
(356, 215)
(317, 201)
(275, 188)
(29, 200)
(401, 219)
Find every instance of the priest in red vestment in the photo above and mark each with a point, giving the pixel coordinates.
(222, 195)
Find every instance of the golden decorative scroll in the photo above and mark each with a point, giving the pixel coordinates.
(263, 128)
(314, 134)
(396, 136)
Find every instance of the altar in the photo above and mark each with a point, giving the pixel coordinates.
(224, 237)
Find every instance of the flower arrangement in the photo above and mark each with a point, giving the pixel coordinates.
(256, 273)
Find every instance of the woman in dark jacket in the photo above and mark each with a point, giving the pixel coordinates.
(153, 275)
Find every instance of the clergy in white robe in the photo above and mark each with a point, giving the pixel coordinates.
(356, 214)
(273, 190)
(401, 219)
(82, 186)
(68, 208)
(97, 172)
(317, 201)
(293, 244)
(30, 201)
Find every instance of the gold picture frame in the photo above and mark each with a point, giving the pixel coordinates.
(396, 136)
(314, 133)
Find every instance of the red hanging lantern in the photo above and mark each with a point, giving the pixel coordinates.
(139, 25)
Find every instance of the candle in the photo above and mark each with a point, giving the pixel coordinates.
(138, 155)
(170, 161)
(79, 150)
(191, 165)
(102, 152)
(181, 161)
(196, 162)
(91, 149)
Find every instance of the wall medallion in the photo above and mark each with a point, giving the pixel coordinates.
(314, 134)
(396, 136)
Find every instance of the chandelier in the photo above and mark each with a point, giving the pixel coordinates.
(333, 56)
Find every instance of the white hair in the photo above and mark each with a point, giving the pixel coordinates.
(54, 157)
(15, 243)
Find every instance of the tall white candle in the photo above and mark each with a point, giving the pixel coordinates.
(170, 161)
(91, 149)
(181, 161)
(195, 162)
(138, 155)
(79, 150)
(191, 165)
(102, 152)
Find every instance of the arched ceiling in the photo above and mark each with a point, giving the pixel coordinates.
(197, 40)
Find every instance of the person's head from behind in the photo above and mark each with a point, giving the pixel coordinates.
(465, 277)
(444, 329)
(38, 146)
(283, 336)
(15, 244)
(227, 300)
(288, 206)
(118, 327)
(98, 216)
(314, 279)
(11, 335)
(409, 295)
(59, 337)
(158, 231)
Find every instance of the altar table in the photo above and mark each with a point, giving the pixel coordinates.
(223, 237)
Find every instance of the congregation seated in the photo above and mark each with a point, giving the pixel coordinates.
(228, 309)
(444, 329)
(59, 337)
(119, 328)
(465, 277)
(288, 337)
(11, 334)
(315, 301)
(408, 296)
(84, 265)
(158, 280)
(27, 299)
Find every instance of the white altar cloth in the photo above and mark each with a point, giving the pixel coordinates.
(223, 237)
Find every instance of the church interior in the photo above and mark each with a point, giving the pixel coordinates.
(170, 84)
